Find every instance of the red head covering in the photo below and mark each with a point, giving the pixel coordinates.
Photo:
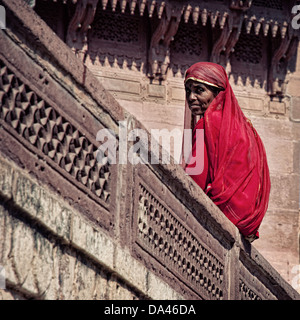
(239, 181)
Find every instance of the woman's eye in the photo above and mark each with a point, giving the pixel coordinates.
(199, 90)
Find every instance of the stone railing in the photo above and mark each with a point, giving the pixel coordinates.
(71, 228)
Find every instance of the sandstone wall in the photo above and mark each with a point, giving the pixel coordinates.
(50, 251)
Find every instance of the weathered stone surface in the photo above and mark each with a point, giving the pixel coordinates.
(45, 208)
(28, 201)
(88, 239)
(53, 272)
(84, 281)
(295, 109)
(131, 270)
(280, 155)
(130, 87)
(2, 235)
(119, 291)
(5, 180)
(6, 244)
(10, 295)
(101, 286)
(66, 273)
(23, 248)
(54, 215)
(277, 107)
(43, 263)
(155, 286)
(289, 190)
(250, 103)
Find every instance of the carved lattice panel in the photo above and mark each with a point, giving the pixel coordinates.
(250, 284)
(249, 62)
(177, 248)
(116, 27)
(248, 49)
(42, 125)
(117, 39)
(188, 40)
(188, 47)
(246, 293)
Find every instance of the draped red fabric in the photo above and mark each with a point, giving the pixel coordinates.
(236, 176)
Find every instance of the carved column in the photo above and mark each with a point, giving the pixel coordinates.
(80, 25)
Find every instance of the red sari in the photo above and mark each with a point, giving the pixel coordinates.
(236, 175)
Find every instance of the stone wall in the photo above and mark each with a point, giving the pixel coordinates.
(71, 228)
(51, 251)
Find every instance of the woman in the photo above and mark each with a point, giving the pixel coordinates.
(235, 174)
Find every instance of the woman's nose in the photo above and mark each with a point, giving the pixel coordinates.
(191, 96)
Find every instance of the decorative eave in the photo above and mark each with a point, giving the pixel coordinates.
(229, 16)
(201, 13)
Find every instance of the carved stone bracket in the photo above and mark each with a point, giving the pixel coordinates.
(281, 57)
(159, 52)
(230, 32)
(240, 5)
(220, 45)
(80, 25)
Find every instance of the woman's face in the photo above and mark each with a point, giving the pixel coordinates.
(198, 97)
